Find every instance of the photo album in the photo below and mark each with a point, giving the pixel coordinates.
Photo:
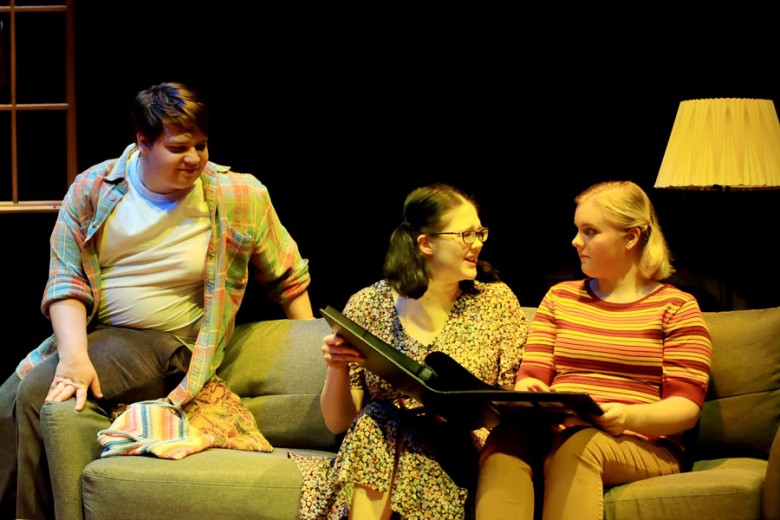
(449, 390)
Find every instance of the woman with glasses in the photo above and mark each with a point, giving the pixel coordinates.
(638, 346)
(436, 295)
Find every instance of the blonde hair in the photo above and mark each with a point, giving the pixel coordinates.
(627, 206)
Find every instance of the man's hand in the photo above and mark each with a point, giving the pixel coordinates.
(74, 378)
(75, 374)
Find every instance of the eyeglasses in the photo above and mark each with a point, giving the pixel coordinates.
(467, 236)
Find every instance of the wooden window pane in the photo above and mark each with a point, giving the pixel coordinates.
(40, 69)
(43, 156)
(5, 155)
(5, 58)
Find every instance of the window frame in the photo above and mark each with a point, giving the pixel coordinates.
(16, 205)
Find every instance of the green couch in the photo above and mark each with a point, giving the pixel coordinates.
(277, 368)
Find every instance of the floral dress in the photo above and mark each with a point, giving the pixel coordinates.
(435, 464)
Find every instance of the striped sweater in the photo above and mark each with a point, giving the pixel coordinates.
(638, 352)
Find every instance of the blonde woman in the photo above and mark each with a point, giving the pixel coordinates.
(637, 345)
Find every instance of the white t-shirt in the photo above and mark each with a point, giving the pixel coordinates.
(152, 253)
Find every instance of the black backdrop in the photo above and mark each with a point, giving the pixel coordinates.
(341, 114)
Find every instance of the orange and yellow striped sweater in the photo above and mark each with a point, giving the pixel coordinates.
(637, 352)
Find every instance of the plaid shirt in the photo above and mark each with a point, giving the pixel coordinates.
(245, 229)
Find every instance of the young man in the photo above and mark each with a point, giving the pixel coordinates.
(150, 258)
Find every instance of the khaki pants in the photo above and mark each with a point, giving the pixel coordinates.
(525, 466)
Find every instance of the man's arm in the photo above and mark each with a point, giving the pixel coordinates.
(299, 307)
(75, 374)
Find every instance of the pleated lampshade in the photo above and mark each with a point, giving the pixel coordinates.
(723, 144)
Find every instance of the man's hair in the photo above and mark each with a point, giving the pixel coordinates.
(168, 104)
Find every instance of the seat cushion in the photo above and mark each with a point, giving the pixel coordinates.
(215, 483)
(722, 488)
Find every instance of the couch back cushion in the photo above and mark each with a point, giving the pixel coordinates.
(530, 314)
(276, 367)
(742, 411)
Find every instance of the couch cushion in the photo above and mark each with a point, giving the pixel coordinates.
(276, 367)
(215, 483)
(530, 314)
(723, 488)
(742, 412)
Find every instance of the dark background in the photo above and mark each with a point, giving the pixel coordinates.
(341, 114)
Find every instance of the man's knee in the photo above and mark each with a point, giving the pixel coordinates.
(8, 391)
(34, 387)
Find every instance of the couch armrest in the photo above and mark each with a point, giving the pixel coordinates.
(71, 443)
(770, 495)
